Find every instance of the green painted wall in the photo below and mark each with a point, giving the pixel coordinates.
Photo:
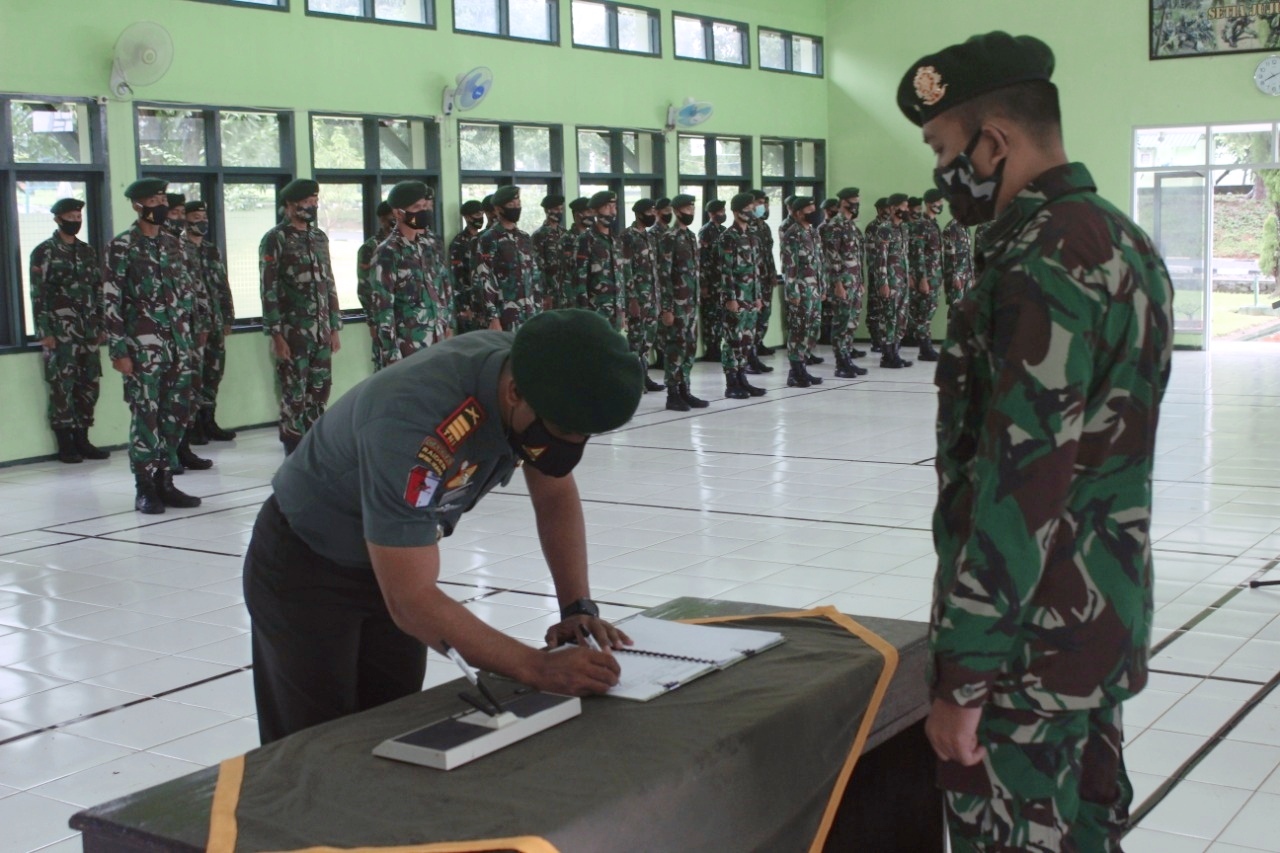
(246, 57)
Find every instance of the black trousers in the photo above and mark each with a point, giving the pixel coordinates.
(324, 645)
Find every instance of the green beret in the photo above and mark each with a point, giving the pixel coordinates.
(383, 209)
(194, 206)
(882, 203)
(914, 202)
(662, 203)
(644, 205)
(601, 199)
(932, 196)
(579, 204)
(683, 200)
(830, 203)
(175, 199)
(552, 201)
(65, 205)
(786, 202)
(897, 199)
(800, 202)
(407, 193)
(145, 188)
(848, 192)
(576, 372)
(297, 190)
(759, 195)
(471, 208)
(506, 194)
(962, 72)
(488, 201)
(715, 206)
(741, 202)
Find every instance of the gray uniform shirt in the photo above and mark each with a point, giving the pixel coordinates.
(401, 456)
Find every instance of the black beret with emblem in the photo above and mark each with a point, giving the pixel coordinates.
(579, 204)
(849, 192)
(471, 208)
(601, 199)
(683, 200)
(64, 205)
(914, 201)
(741, 202)
(962, 72)
(407, 193)
(897, 199)
(487, 201)
(145, 188)
(175, 199)
(715, 206)
(551, 201)
(383, 209)
(299, 189)
(506, 195)
(830, 203)
(799, 202)
(759, 195)
(194, 206)
(642, 206)
(662, 203)
(932, 195)
(882, 203)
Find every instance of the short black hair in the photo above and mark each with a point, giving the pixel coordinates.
(1032, 105)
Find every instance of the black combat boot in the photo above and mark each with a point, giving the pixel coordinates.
(694, 402)
(797, 378)
(751, 390)
(189, 460)
(812, 359)
(844, 367)
(909, 340)
(147, 502)
(886, 357)
(733, 389)
(898, 360)
(67, 446)
(813, 380)
(927, 352)
(211, 428)
(649, 384)
(170, 495)
(762, 349)
(711, 354)
(754, 365)
(290, 443)
(675, 402)
(857, 353)
(87, 450)
(195, 430)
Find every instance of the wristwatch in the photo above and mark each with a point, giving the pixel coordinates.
(581, 607)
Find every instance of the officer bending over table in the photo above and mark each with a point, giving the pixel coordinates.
(340, 576)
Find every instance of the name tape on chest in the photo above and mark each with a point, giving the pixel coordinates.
(465, 420)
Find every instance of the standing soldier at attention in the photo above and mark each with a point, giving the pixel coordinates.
(409, 297)
(582, 223)
(678, 297)
(768, 278)
(887, 276)
(802, 285)
(875, 310)
(147, 306)
(548, 253)
(842, 253)
(709, 301)
(461, 251)
(599, 271)
(503, 268)
(662, 216)
(926, 268)
(66, 310)
(1049, 392)
(300, 310)
(207, 266)
(364, 271)
(957, 261)
(639, 247)
(738, 260)
(192, 379)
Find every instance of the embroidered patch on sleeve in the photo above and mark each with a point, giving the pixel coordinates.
(463, 477)
(421, 487)
(462, 423)
(435, 455)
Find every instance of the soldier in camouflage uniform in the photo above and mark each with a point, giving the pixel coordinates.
(887, 277)
(66, 309)
(600, 272)
(926, 268)
(503, 267)
(803, 286)
(192, 379)
(147, 307)
(957, 261)
(461, 253)
(875, 312)
(842, 254)
(364, 273)
(768, 278)
(709, 300)
(678, 289)
(738, 262)
(582, 223)
(639, 247)
(409, 293)
(662, 217)
(206, 264)
(548, 251)
(1050, 385)
(300, 310)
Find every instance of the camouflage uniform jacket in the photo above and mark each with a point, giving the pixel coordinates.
(768, 266)
(1049, 390)
(639, 249)
(886, 255)
(569, 283)
(707, 256)
(926, 252)
(146, 293)
(364, 268)
(801, 260)
(678, 272)
(549, 255)
(213, 298)
(738, 260)
(600, 270)
(66, 291)
(957, 256)
(504, 271)
(407, 296)
(298, 290)
(461, 249)
(842, 254)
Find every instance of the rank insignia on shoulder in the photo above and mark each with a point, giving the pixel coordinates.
(421, 487)
(465, 420)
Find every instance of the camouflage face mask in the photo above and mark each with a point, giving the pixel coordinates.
(972, 199)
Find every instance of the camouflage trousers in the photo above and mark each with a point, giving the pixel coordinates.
(804, 323)
(158, 393)
(214, 367)
(710, 318)
(608, 306)
(642, 326)
(923, 307)
(953, 293)
(875, 316)
(844, 320)
(517, 310)
(304, 382)
(765, 314)
(73, 372)
(376, 351)
(193, 379)
(679, 345)
(739, 337)
(1051, 783)
(891, 316)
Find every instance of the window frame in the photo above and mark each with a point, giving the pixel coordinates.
(96, 178)
(368, 16)
(619, 179)
(789, 178)
(504, 24)
(711, 181)
(508, 174)
(611, 25)
(708, 40)
(788, 54)
(280, 5)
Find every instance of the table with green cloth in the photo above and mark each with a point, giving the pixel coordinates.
(751, 758)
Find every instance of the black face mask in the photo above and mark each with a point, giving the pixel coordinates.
(665, 217)
(718, 218)
(417, 219)
(972, 199)
(475, 221)
(68, 227)
(154, 215)
(854, 210)
(510, 214)
(935, 209)
(307, 214)
(815, 218)
(685, 218)
(545, 453)
(648, 219)
(199, 229)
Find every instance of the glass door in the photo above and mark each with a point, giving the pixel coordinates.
(1172, 207)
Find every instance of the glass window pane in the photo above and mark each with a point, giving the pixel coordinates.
(50, 133)
(693, 155)
(695, 190)
(529, 19)
(477, 191)
(632, 193)
(403, 143)
(249, 211)
(804, 55)
(481, 147)
(774, 159)
(726, 192)
(1247, 143)
(689, 39)
(635, 32)
(637, 154)
(479, 16)
(728, 156)
(532, 149)
(728, 43)
(588, 190)
(1170, 146)
(773, 50)
(170, 137)
(806, 160)
(337, 7)
(590, 24)
(35, 225)
(337, 142)
(408, 11)
(594, 154)
(531, 196)
(250, 139)
(341, 217)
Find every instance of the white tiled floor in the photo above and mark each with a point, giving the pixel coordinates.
(124, 647)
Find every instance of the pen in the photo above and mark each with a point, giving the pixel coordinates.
(471, 674)
(590, 640)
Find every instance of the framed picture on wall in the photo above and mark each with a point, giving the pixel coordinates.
(1184, 28)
